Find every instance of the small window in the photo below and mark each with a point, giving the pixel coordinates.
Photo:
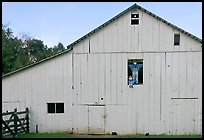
(135, 18)
(134, 21)
(134, 15)
(176, 39)
(55, 107)
(59, 107)
(135, 72)
(50, 107)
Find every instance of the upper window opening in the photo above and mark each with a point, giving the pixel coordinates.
(134, 18)
(176, 39)
(135, 72)
(134, 15)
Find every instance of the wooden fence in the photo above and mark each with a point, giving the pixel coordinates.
(15, 122)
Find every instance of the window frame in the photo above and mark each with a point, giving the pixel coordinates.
(140, 61)
(175, 39)
(56, 109)
(59, 110)
(134, 16)
(49, 108)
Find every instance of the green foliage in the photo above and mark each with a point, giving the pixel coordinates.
(18, 53)
(59, 48)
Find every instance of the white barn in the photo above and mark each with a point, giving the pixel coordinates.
(135, 74)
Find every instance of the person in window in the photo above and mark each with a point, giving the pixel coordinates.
(135, 73)
(130, 81)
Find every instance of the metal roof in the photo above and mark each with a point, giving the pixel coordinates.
(134, 6)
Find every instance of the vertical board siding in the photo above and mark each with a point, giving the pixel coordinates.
(97, 68)
(182, 75)
(36, 88)
(121, 36)
(175, 74)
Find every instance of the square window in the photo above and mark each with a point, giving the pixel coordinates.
(50, 107)
(135, 72)
(59, 107)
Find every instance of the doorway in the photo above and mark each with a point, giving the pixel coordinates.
(96, 119)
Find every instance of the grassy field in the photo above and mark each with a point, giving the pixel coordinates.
(65, 135)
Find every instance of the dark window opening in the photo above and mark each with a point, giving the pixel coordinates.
(134, 18)
(134, 15)
(55, 107)
(50, 107)
(134, 21)
(59, 107)
(135, 71)
(176, 39)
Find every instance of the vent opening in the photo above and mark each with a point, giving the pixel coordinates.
(135, 18)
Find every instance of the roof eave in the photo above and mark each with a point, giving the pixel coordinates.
(26, 67)
(125, 11)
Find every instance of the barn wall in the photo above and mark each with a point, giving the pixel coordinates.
(170, 80)
(34, 87)
(151, 35)
(168, 102)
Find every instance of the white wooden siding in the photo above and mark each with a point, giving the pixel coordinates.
(34, 88)
(97, 68)
(151, 35)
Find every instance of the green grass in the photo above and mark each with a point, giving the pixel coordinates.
(161, 136)
(66, 135)
(46, 135)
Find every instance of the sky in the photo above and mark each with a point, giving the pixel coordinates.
(65, 22)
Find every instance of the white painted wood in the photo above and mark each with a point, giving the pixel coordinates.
(182, 75)
(175, 74)
(152, 86)
(157, 88)
(81, 77)
(146, 101)
(113, 78)
(108, 79)
(96, 122)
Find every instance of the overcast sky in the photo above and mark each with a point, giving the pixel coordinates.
(65, 22)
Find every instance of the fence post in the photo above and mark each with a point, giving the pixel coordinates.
(27, 120)
(15, 122)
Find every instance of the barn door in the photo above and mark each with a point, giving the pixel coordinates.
(96, 119)
(184, 116)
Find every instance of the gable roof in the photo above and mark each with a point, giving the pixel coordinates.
(134, 6)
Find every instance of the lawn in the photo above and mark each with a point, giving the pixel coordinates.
(161, 136)
(66, 135)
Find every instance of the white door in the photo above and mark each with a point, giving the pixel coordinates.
(96, 119)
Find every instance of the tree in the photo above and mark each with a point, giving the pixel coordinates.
(59, 48)
(18, 53)
(10, 49)
(36, 49)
